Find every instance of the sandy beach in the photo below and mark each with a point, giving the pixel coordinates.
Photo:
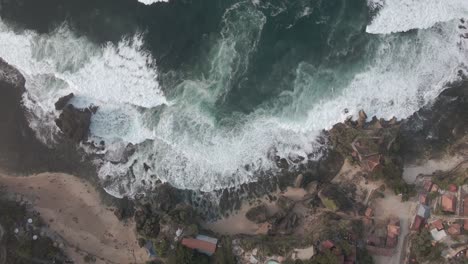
(74, 211)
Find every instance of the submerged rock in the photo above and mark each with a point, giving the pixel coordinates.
(74, 123)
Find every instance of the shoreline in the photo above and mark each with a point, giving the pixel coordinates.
(73, 211)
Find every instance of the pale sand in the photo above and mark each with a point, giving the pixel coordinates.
(411, 172)
(237, 223)
(74, 210)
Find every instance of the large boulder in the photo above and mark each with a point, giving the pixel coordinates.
(63, 101)
(257, 214)
(74, 123)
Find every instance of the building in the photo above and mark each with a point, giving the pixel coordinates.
(393, 231)
(454, 229)
(327, 244)
(453, 188)
(150, 249)
(427, 186)
(417, 223)
(423, 199)
(203, 244)
(449, 203)
(424, 211)
(437, 224)
(438, 235)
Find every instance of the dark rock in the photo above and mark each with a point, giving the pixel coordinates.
(429, 131)
(285, 204)
(63, 101)
(164, 198)
(74, 123)
(282, 163)
(362, 118)
(257, 214)
(146, 167)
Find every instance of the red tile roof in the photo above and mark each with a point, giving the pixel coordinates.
(327, 244)
(453, 188)
(438, 224)
(449, 203)
(454, 229)
(199, 245)
(417, 223)
(465, 224)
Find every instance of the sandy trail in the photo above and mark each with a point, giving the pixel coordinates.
(73, 209)
(237, 223)
(411, 172)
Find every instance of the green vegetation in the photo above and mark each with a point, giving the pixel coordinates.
(422, 249)
(20, 246)
(161, 246)
(334, 198)
(183, 255)
(328, 203)
(458, 178)
(224, 253)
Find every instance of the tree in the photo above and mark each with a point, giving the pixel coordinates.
(422, 248)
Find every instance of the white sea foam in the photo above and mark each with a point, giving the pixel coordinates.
(149, 2)
(182, 143)
(403, 15)
(112, 77)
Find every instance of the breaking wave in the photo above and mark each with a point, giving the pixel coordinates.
(404, 15)
(190, 136)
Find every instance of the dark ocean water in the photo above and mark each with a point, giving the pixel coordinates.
(209, 90)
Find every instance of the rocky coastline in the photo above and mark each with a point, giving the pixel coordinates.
(380, 148)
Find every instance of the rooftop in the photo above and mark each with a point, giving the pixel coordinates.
(449, 203)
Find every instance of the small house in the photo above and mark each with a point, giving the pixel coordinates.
(423, 199)
(424, 211)
(437, 224)
(453, 188)
(417, 223)
(454, 229)
(203, 244)
(327, 244)
(449, 203)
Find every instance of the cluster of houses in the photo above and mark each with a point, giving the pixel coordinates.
(449, 216)
(383, 237)
(342, 258)
(445, 203)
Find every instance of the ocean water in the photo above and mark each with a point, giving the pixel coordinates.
(209, 92)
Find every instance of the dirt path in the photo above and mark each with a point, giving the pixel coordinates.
(73, 210)
(411, 172)
(391, 206)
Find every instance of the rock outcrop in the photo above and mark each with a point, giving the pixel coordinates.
(431, 130)
(63, 101)
(74, 123)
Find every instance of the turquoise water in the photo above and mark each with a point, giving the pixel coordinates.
(212, 92)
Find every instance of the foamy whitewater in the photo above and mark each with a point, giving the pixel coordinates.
(179, 138)
(149, 2)
(404, 15)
